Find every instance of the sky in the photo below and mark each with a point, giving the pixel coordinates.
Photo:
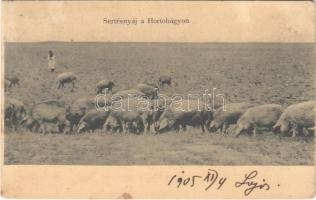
(210, 21)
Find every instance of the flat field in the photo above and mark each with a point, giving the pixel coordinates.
(257, 73)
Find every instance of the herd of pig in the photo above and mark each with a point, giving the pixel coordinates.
(87, 114)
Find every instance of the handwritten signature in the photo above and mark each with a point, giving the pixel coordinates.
(250, 184)
(212, 179)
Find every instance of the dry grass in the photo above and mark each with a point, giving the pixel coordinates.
(258, 73)
(184, 148)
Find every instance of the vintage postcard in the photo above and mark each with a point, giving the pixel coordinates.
(158, 99)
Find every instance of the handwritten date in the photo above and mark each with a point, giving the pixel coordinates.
(212, 179)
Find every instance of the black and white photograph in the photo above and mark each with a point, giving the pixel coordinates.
(158, 99)
(125, 103)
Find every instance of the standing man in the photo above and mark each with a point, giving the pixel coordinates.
(51, 61)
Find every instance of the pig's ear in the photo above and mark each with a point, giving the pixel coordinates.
(25, 118)
(81, 126)
(276, 128)
(164, 123)
(238, 130)
(212, 125)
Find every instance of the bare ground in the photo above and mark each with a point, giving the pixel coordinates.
(258, 73)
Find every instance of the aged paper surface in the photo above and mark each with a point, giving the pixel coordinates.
(56, 54)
